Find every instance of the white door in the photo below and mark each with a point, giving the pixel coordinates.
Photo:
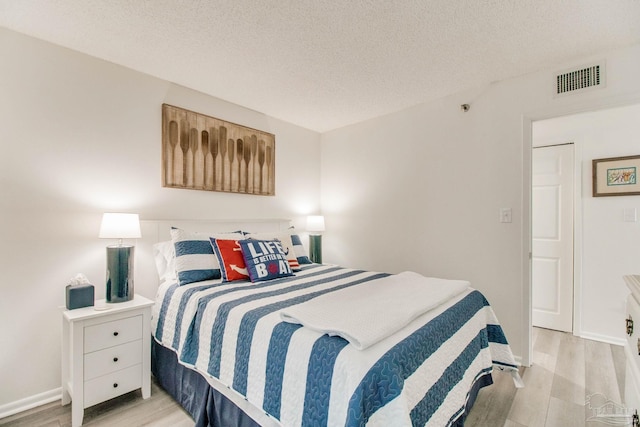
(552, 232)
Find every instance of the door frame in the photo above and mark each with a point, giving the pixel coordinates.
(525, 232)
(528, 237)
(577, 231)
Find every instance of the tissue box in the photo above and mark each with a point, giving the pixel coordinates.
(79, 296)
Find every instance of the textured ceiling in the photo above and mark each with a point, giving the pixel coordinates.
(324, 64)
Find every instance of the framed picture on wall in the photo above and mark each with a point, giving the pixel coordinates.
(200, 152)
(616, 176)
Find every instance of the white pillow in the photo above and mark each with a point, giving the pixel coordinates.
(164, 255)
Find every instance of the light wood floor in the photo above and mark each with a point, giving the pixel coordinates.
(565, 371)
(129, 410)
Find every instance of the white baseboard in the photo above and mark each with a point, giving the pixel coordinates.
(518, 360)
(603, 338)
(30, 402)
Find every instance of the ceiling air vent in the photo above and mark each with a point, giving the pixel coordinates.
(570, 81)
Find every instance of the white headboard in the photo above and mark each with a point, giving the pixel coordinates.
(154, 231)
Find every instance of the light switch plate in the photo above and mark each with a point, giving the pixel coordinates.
(630, 215)
(505, 215)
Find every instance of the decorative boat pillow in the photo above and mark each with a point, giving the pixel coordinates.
(229, 254)
(265, 259)
(287, 245)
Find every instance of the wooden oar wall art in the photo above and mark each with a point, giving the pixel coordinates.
(204, 153)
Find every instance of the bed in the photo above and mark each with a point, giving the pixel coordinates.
(245, 353)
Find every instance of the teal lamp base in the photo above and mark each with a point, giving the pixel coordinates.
(315, 248)
(119, 273)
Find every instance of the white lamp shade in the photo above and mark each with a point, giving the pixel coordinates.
(315, 223)
(120, 226)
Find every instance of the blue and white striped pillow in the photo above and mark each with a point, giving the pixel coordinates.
(195, 260)
(300, 250)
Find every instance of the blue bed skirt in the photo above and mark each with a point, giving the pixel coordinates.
(191, 390)
(210, 408)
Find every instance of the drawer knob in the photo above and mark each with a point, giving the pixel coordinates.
(629, 326)
(115, 385)
(115, 359)
(115, 334)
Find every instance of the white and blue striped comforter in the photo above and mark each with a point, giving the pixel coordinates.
(421, 375)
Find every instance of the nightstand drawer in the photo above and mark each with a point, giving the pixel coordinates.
(633, 311)
(109, 386)
(112, 359)
(112, 333)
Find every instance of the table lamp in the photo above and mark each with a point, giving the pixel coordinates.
(315, 225)
(120, 257)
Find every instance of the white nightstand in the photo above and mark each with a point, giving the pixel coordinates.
(105, 353)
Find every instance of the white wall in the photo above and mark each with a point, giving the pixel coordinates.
(610, 246)
(79, 137)
(421, 189)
